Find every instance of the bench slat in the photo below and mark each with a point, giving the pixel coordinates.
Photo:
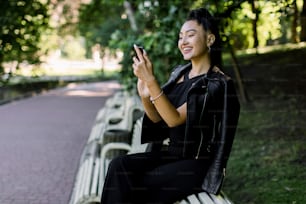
(193, 199)
(95, 180)
(205, 198)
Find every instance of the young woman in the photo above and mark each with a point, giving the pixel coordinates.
(197, 109)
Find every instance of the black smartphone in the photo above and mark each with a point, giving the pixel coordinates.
(141, 49)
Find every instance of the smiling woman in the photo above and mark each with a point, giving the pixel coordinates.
(197, 110)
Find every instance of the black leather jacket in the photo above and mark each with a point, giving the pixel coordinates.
(212, 117)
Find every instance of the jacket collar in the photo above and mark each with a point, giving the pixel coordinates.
(181, 69)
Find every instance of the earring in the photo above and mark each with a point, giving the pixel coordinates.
(209, 49)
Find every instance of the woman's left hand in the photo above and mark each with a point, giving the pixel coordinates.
(142, 66)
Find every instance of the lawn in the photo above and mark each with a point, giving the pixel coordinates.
(268, 160)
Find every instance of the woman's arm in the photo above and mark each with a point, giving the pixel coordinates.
(149, 108)
(157, 106)
(171, 115)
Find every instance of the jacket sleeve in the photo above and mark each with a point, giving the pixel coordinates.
(229, 119)
(153, 132)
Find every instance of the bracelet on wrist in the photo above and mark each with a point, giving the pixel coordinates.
(157, 97)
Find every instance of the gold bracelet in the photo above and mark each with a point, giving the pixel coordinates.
(157, 97)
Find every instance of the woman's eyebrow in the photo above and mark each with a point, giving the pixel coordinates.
(190, 30)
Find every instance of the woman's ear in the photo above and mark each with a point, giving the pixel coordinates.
(210, 39)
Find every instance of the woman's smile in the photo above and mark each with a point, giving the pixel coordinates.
(187, 50)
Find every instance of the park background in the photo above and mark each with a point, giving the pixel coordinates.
(49, 43)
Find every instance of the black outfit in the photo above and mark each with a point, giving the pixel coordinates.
(171, 175)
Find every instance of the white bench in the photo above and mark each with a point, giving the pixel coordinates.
(114, 122)
(86, 185)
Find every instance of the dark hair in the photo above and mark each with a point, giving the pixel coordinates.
(204, 18)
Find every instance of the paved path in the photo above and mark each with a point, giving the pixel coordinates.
(41, 140)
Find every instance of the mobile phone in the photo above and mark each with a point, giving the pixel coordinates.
(141, 50)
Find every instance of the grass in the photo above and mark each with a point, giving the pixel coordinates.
(268, 160)
(32, 80)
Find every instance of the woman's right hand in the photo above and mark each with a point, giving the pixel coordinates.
(142, 66)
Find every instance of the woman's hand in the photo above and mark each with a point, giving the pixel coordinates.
(142, 66)
(147, 86)
(142, 88)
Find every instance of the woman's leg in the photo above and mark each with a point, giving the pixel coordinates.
(174, 181)
(125, 172)
(151, 177)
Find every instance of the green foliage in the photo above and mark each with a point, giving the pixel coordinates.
(99, 20)
(158, 23)
(21, 25)
(158, 26)
(273, 23)
(162, 17)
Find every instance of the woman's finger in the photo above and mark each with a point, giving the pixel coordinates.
(138, 53)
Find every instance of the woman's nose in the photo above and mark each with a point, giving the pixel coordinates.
(184, 40)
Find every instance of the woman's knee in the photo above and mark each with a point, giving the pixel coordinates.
(116, 163)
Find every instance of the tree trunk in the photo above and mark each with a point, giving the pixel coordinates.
(241, 89)
(1, 69)
(242, 92)
(130, 14)
(303, 22)
(254, 22)
(294, 35)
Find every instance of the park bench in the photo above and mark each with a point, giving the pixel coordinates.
(113, 123)
(102, 146)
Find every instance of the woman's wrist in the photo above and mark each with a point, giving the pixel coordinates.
(153, 99)
(151, 82)
(145, 96)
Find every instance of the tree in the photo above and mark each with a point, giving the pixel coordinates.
(155, 25)
(22, 23)
(294, 36)
(225, 16)
(111, 28)
(303, 22)
(256, 12)
(98, 21)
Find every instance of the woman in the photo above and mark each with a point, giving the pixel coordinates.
(197, 109)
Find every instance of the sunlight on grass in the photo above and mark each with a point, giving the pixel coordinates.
(64, 70)
(263, 50)
(281, 47)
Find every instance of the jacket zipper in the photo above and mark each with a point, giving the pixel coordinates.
(202, 136)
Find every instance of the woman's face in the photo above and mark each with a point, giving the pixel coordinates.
(192, 40)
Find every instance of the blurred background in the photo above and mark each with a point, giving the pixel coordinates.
(49, 43)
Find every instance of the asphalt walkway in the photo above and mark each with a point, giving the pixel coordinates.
(41, 140)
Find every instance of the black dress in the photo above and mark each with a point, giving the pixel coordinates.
(156, 177)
